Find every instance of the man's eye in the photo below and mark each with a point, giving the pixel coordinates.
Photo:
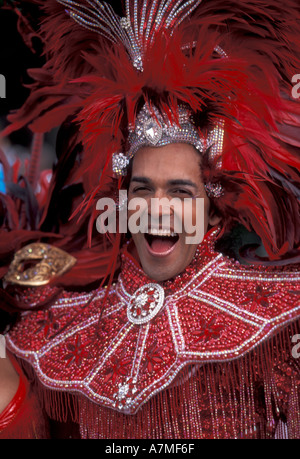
(182, 192)
(140, 189)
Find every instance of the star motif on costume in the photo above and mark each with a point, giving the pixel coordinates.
(119, 367)
(153, 356)
(260, 297)
(209, 330)
(49, 324)
(76, 353)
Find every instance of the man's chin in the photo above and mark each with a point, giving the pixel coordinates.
(163, 269)
(158, 275)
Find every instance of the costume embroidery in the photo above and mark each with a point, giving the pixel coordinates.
(216, 310)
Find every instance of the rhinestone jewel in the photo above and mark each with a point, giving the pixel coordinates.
(124, 396)
(214, 190)
(119, 163)
(145, 303)
(152, 131)
(125, 23)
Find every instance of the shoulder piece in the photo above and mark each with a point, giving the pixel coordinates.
(120, 356)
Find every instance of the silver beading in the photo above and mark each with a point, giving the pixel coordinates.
(214, 190)
(137, 29)
(119, 164)
(152, 129)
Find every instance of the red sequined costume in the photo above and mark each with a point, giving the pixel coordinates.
(210, 354)
(205, 355)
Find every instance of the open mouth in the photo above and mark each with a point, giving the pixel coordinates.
(161, 242)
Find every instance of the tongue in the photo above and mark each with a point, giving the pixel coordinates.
(162, 244)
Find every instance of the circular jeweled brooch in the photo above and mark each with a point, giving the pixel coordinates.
(145, 303)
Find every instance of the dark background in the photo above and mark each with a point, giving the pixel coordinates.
(16, 58)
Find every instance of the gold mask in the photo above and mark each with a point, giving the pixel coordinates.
(53, 262)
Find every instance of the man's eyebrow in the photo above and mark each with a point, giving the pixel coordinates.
(141, 180)
(182, 182)
(173, 182)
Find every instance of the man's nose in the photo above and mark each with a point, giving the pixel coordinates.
(159, 205)
(159, 194)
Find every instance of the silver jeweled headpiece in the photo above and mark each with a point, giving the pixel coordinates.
(136, 31)
(151, 129)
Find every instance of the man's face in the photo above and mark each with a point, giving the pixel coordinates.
(171, 171)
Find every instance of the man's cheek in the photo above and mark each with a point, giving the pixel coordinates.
(194, 220)
(137, 215)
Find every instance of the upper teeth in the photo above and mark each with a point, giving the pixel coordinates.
(161, 232)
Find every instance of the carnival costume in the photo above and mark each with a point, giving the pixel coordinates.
(208, 354)
(186, 358)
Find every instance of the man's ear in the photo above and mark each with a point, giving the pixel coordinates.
(213, 219)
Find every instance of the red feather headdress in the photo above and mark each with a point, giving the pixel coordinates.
(101, 70)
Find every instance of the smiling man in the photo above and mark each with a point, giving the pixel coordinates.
(164, 248)
(187, 342)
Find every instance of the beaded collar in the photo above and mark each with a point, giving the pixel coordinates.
(216, 311)
(133, 276)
